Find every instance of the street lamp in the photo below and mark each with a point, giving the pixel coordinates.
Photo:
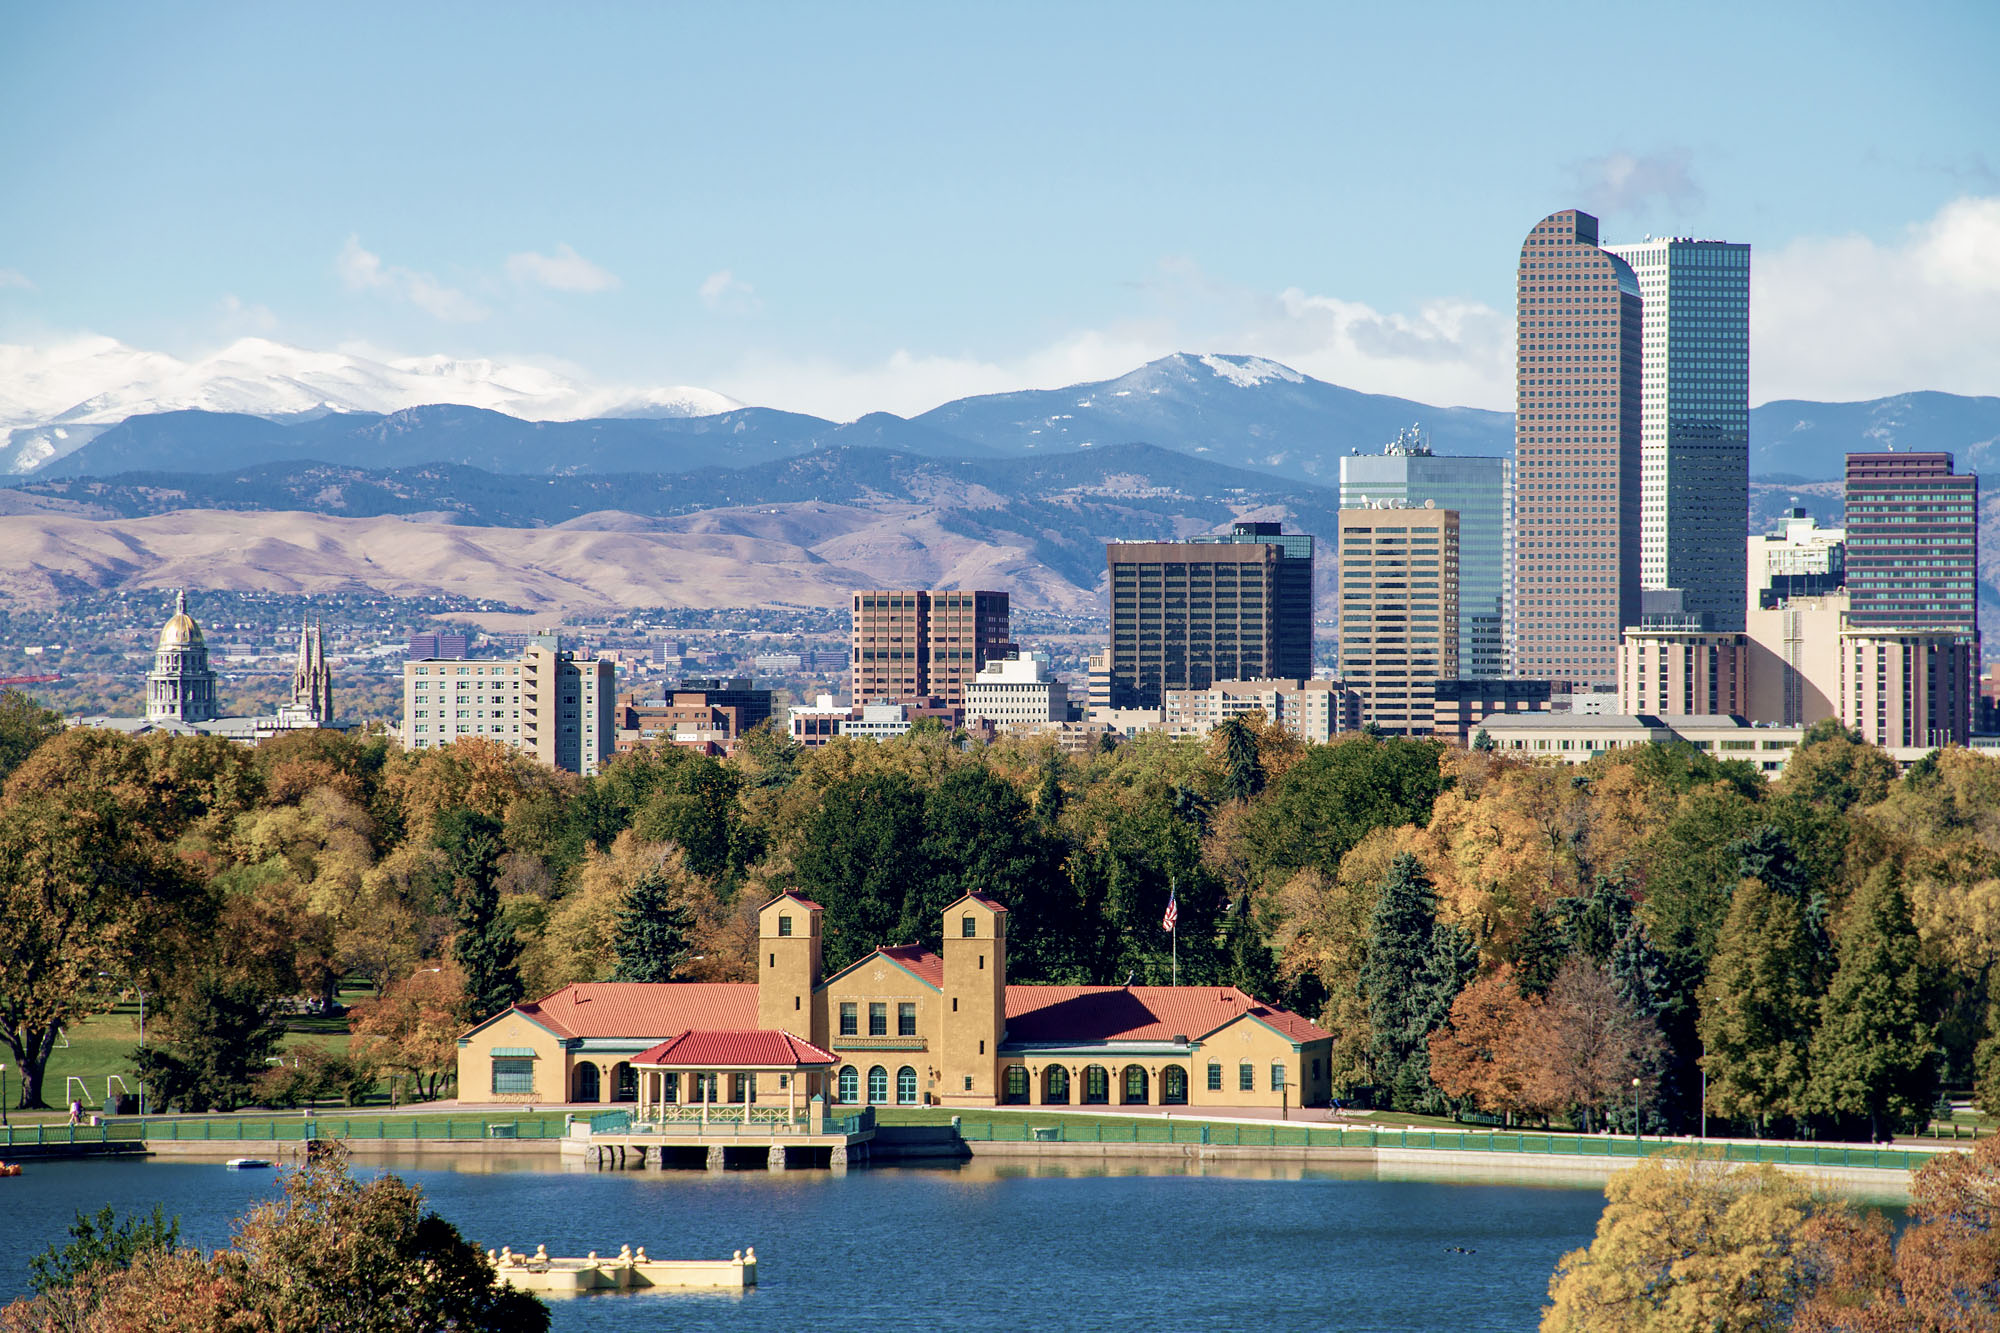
(1635, 1108)
(3, 1094)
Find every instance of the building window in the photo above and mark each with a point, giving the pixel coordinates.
(878, 1019)
(847, 1086)
(1277, 1077)
(1096, 1086)
(1246, 1077)
(878, 1085)
(968, 927)
(906, 1019)
(906, 1086)
(784, 926)
(1173, 1086)
(1135, 1085)
(1015, 1087)
(848, 1024)
(512, 1075)
(1215, 1076)
(1055, 1089)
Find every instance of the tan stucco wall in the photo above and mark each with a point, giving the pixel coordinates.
(1248, 1039)
(475, 1064)
(879, 981)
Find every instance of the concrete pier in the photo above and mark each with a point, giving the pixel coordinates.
(628, 1270)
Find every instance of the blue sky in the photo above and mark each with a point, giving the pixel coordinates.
(839, 207)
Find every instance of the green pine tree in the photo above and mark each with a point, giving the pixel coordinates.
(486, 947)
(1415, 969)
(1757, 1008)
(651, 938)
(1541, 953)
(1242, 769)
(1873, 1056)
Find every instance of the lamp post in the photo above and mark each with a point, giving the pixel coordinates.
(3, 1094)
(1635, 1108)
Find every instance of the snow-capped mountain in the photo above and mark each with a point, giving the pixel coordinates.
(55, 400)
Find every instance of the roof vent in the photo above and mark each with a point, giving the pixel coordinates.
(1180, 1039)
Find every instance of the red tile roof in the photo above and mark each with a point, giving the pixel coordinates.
(984, 901)
(1058, 1014)
(641, 1009)
(802, 901)
(753, 1048)
(919, 960)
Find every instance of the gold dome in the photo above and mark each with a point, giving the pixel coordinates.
(180, 631)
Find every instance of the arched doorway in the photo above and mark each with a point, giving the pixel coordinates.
(847, 1087)
(1173, 1086)
(1016, 1087)
(1096, 1086)
(906, 1086)
(1135, 1085)
(1055, 1086)
(584, 1087)
(624, 1083)
(878, 1085)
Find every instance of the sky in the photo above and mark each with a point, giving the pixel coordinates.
(855, 207)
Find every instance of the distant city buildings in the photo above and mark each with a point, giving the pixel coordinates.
(1579, 390)
(1481, 492)
(556, 706)
(1017, 693)
(1399, 630)
(446, 644)
(1187, 614)
(915, 644)
(1694, 421)
(1800, 559)
(1314, 710)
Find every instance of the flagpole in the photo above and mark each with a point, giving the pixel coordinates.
(1174, 931)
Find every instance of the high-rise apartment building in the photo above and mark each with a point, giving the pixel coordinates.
(1187, 614)
(1577, 435)
(1399, 578)
(913, 644)
(1481, 492)
(1694, 421)
(553, 705)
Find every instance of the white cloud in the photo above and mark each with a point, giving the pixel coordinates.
(363, 270)
(563, 271)
(1447, 352)
(725, 292)
(1844, 318)
(13, 277)
(1627, 182)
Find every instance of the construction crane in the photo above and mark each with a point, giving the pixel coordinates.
(6, 681)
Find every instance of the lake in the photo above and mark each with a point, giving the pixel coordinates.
(975, 1246)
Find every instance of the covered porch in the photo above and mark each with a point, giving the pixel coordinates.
(699, 1079)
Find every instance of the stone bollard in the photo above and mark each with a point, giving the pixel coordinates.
(640, 1257)
(541, 1254)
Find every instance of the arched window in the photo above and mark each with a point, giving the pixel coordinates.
(1016, 1088)
(586, 1083)
(1173, 1086)
(1096, 1086)
(1135, 1085)
(1055, 1086)
(906, 1086)
(878, 1085)
(848, 1087)
(624, 1083)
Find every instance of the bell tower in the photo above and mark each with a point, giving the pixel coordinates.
(788, 967)
(975, 996)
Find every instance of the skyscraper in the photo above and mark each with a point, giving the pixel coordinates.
(1187, 614)
(1399, 605)
(1481, 492)
(1695, 421)
(913, 644)
(1577, 430)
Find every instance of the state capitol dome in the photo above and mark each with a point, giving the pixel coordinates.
(180, 631)
(180, 687)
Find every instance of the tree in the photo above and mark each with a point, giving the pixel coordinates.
(1329, 800)
(101, 1244)
(1477, 1056)
(1873, 1055)
(1415, 970)
(1586, 1045)
(1691, 1244)
(1483, 742)
(1235, 746)
(413, 1029)
(1757, 1008)
(86, 897)
(216, 1034)
(652, 939)
(1836, 769)
(856, 855)
(24, 725)
(1541, 952)
(1942, 1273)
(486, 948)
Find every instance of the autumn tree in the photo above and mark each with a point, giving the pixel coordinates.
(1477, 1057)
(1873, 1057)
(1757, 1008)
(1586, 1044)
(24, 725)
(413, 1028)
(1835, 768)
(1686, 1243)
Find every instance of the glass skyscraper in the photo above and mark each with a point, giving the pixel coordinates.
(1481, 491)
(1694, 443)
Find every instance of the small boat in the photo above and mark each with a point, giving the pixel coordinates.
(248, 1163)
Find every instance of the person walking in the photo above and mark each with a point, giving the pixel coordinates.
(75, 1112)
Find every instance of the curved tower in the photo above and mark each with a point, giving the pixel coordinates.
(180, 687)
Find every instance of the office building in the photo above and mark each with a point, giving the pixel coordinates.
(1799, 558)
(1481, 492)
(1313, 710)
(1795, 653)
(1694, 421)
(1577, 435)
(1187, 614)
(1683, 670)
(1566, 738)
(429, 646)
(1398, 612)
(1017, 693)
(913, 644)
(556, 706)
(1458, 706)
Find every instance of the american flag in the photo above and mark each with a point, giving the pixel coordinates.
(1173, 915)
